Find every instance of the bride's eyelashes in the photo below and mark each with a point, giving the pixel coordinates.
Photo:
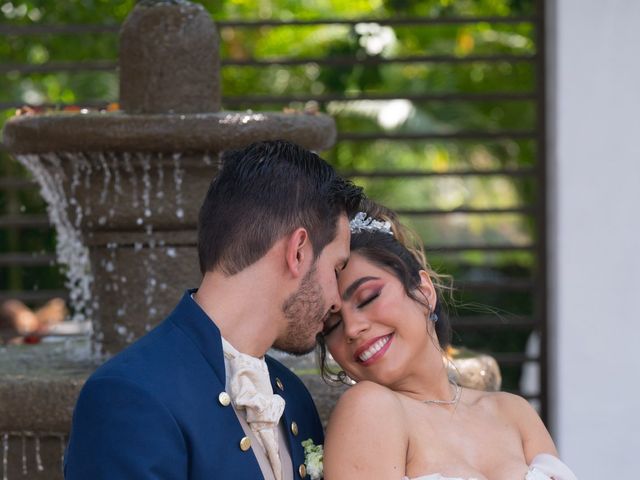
(370, 298)
(335, 320)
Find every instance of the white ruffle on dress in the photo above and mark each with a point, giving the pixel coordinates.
(543, 467)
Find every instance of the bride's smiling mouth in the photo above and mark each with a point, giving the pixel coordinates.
(373, 350)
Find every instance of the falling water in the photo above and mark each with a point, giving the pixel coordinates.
(38, 457)
(133, 179)
(24, 454)
(160, 184)
(145, 193)
(70, 248)
(178, 174)
(5, 456)
(106, 172)
(63, 446)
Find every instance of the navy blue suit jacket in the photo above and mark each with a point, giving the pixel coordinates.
(152, 411)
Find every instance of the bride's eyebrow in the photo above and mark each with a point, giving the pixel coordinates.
(348, 293)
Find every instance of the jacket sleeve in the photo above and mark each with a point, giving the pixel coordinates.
(120, 431)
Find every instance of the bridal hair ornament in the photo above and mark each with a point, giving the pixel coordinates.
(362, 223)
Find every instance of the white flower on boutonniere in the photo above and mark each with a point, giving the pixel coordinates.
(313, 456)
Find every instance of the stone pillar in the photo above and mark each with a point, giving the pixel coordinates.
(169, 60)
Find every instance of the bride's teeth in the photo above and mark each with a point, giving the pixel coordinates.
(373, 349)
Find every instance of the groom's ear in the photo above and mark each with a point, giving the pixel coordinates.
(298, 248)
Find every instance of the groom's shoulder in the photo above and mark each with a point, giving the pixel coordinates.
(152, 355)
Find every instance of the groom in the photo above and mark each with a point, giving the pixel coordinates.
(197, 398)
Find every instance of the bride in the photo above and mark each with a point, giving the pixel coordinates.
(404, 418)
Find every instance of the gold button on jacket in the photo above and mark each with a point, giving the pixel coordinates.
(302, 470)
(224, 399)
(245, 444)
(279, 384)
(294, 428)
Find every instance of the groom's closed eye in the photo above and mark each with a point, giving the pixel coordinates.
(331, 324)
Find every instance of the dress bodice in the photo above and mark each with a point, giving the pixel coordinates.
(542, 467)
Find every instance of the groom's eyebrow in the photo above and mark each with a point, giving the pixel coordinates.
(354, 286)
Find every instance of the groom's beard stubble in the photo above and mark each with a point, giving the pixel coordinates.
(305, 312)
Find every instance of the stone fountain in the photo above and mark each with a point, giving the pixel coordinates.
(123, 191)
(124, 188)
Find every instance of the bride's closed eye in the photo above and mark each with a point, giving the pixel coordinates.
(370, 298)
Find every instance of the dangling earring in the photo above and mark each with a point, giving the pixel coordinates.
(433, 316)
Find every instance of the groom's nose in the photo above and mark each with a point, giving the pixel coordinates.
(336, 301)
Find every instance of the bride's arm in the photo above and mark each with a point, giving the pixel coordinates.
(535, 436)
(366, 436)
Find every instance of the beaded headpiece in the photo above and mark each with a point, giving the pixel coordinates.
(361, 223)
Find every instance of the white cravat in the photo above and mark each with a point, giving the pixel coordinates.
(250, 390)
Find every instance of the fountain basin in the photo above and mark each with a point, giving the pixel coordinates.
(201, 132)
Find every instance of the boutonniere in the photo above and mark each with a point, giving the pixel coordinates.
(313, 456)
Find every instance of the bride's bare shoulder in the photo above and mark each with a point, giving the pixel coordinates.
(367, 435)
(366, 399)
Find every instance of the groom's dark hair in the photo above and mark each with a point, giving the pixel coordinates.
(264, 192)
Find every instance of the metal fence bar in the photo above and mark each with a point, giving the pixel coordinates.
(478, 248)
(414, 97)
(375, 60)
(53, 67)
(509, 172)
(398, 21)
(493, 321)
(39, 30)
(111, 65)
(24, 221)
(34, 30)
(507, 285)
(15, 259)
(229, 101)
(514, 358)
(358, 136)
(13, 183)
(35, 296)
(540, 299)
(92, 104)
(468, 211)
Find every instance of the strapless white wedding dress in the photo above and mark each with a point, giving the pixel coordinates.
(543, 467)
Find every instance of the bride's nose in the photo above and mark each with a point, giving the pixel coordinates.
(355, 324)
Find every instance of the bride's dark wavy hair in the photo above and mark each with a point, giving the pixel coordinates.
(403, 255)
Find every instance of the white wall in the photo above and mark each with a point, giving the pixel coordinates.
(594, 93)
